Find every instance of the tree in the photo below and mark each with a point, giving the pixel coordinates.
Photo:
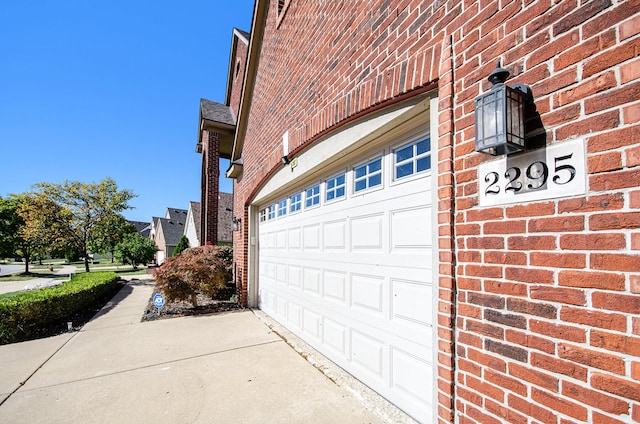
(109, 232)
(198, 270)
(43, 228)
(10, 224)
(135, 250)
(84, 208)
(183, 244)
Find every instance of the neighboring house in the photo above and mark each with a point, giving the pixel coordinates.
(167, 231)
(143, 228)
(225, 223)
(192, 225)
(462, 287)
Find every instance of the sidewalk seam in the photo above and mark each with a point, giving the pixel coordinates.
(22, 383)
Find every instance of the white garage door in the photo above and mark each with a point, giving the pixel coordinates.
(345, 262)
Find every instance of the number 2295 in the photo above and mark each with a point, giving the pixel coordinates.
(534, 177)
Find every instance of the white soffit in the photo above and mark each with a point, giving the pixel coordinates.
(371, 131)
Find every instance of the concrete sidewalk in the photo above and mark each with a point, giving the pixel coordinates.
(37, 283)
(209, 369)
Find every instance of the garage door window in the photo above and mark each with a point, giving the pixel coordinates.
(312, 196)
(368, 175)
(282, 207)
(336, 187)
(295, 203)
(413, 158)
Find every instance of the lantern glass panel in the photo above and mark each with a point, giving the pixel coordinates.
(499, 121)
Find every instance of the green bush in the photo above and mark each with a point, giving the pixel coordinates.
(28, 315)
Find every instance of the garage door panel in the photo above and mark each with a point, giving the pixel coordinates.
(367, 232)
(412, 303)
(354, 279)
(367, 353)
(410, 229)
(335, 336)
(335, 286)
(335, 235)
(367, 293)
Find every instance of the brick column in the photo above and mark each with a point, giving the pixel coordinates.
(210, 188)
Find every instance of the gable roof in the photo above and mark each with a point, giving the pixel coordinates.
(143, 228)
(225, 217)
(216, 112)
(176, 214)
(172, 231)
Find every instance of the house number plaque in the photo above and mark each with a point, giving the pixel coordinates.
(557, 170)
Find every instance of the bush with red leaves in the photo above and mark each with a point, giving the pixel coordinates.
(204, 269)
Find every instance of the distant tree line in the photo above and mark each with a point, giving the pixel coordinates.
(72, 219)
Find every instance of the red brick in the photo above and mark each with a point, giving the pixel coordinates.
(490, 390)
(558, 295)
(608, 161)
(615, 262)
(490, 361)
(587, 88)
(532, 410)
(532, 243)
(613, 139)
(616, 302)
(592, 358)
(481, 417)
(595, 280)
(630, 27)
(616, 342)
(615, 221)
(556, 403)
(622, 52)
(595, 399)
(596, 123)
(509, 289)
(532, 308)
(593, 241)
(504, 227)
(612, 99)
(507, 258)
(631, 114)
(559, 224)
(617, 386)
(580, 15)
(558, 331)
(535, 377)
(532, 209)
(633, 156)
(502, 411)
(605, 202)
(530, 341)
(485, 242)
(485, 329)
(596, 319)
(529, 275)
(483, 271)
(558, 260)
(560, 366)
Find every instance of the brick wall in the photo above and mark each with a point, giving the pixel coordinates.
(240, 61)
(539, 313)
(210, 184)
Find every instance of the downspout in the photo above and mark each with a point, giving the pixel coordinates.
(454, 260)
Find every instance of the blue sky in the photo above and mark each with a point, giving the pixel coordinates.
(96, 89)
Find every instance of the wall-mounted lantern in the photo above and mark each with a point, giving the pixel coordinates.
(285, 160)
(500, 116)
(236, 223)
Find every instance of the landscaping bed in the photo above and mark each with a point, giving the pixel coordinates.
(206, 305)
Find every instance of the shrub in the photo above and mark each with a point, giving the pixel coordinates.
(198, 270)
(27, 315)
(183, 245)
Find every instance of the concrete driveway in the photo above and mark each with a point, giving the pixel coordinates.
(225, 368)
